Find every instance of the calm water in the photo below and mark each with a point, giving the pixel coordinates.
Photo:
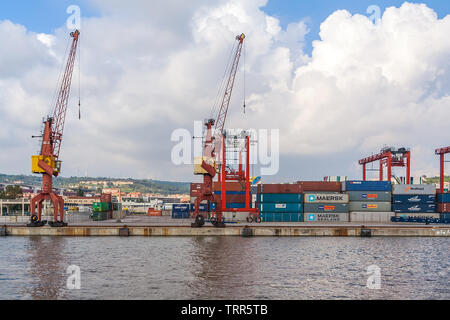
(224, 268)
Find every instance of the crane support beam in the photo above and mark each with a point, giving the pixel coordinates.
(442, 152)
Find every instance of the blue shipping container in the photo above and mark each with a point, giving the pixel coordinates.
(358, 185)
(280, 197)
(443, 197)
(282, 217)
(185, 207)
(180, 215)
(230, 192)
(280, 207)
(414, 208)
(407, 199)
(445, 217)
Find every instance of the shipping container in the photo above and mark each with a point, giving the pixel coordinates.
(419, 215)
(443, 197)
(184, 207)
(326, 217)
(374, 196)
(443, 207)
(324, 207)
(235, 216)
(280, 197)
(370, 206)
(445, 217)
(280, 207)
(414, 208)
(358, 185)
(326, 198)
(279, 188)
(414, 189)
(320, 186)
(382, 217)
(229, 186)
(412, 199)
(232, 198)
(282, 217)
(180, 215)
(195, 189)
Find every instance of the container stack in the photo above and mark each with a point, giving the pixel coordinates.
(414, 200)
(181, 211)
(280, 202)
(323, 201)
(370, 201)
(101, 211)
(444, 207)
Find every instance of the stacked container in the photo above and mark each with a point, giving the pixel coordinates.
(370, 201)
(414, 200)
(323, 201)
(444, 206)
(181, 211)
(280, 202)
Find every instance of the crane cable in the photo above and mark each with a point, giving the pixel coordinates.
(244, 79)
(53, 104)
(223, 83)
(79, 81)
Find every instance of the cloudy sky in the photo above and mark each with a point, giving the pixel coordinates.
(337, 82)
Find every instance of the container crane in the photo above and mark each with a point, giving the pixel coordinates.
(390, 157)
(48, 163)
(206, 165)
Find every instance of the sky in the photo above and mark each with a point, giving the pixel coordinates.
(335, 81)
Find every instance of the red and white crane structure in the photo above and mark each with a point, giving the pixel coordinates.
(214, 148)
(48, 163)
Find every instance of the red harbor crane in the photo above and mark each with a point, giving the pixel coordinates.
(389, 157)
(208, 166)
(442, 152)
(48, 163)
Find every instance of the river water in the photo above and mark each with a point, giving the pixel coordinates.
(225, 268)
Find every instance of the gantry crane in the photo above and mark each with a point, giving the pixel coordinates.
(206, 165)
(390, 157)
(442, 152)
(48, 163)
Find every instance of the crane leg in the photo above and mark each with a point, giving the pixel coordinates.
(58, 205)
(36, 218)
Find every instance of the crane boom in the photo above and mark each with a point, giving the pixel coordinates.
(222, 116)
(59, 114)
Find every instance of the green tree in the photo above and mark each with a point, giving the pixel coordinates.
(80, 192)
(11, 193)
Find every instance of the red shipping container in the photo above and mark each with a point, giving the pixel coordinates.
(195, 189)
(230, 186)
(106, 197)
(280, 188)
(320, 186)
(444, 207)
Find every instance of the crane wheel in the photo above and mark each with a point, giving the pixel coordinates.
(199, 222)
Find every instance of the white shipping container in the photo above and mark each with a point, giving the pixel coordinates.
(382, 217)
(399, 189)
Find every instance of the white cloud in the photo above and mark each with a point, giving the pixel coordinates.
(150, 68)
